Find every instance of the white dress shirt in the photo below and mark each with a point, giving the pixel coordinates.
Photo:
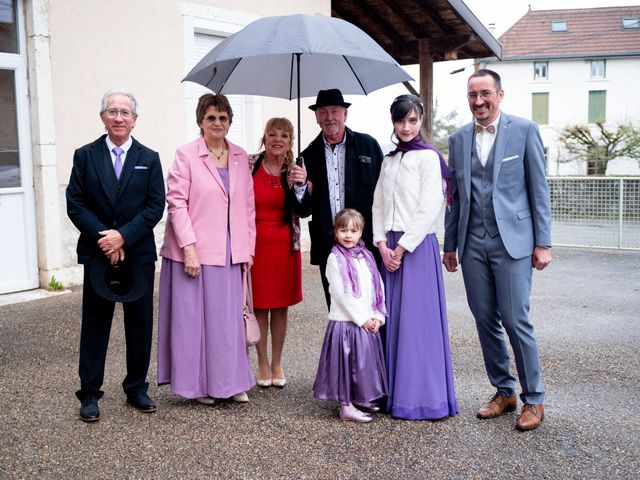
(485, 140)
(335, 158)
(125, 146)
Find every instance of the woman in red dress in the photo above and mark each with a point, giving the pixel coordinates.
(277, 269)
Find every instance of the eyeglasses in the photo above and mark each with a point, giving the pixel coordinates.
(482, 94)
(113, 113)
(213, 118)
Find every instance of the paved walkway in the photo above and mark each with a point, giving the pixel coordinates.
(586, 311)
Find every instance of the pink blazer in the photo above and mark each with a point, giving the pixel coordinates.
(198, 204)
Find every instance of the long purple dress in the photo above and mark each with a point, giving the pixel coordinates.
(201, 341)
(420, 375)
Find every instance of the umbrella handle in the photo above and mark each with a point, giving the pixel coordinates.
(298, 160)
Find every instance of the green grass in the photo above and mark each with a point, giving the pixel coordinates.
(55, 284)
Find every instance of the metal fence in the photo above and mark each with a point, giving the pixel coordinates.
(599, 212)
(592, 212)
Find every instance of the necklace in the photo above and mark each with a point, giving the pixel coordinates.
(274, 183)
(268, 169)
(218, 157)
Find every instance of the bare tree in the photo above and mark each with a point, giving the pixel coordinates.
(443, 128)
(598, 145)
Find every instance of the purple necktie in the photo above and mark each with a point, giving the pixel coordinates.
(117, 166)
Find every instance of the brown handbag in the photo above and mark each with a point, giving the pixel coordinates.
(251, 327)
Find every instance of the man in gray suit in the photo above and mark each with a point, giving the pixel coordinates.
(500, 222)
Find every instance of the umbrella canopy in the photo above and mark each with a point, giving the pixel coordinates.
(294, 56)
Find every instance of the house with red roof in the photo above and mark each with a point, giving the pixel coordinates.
(573, 66)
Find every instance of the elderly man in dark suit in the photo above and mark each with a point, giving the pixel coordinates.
(500, 222)
(115, 197)
(342, 168)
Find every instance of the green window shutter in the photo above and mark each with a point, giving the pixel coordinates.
(597, 106)
(540, 108)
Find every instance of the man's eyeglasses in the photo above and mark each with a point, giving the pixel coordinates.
(482, 94)
(113, 113)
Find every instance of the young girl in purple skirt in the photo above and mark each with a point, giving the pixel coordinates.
(351, 369)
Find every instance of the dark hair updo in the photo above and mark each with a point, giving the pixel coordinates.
(403, 105)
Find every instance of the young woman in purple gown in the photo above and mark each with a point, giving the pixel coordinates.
(407, 202)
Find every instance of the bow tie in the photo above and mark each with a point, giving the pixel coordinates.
(488, 128)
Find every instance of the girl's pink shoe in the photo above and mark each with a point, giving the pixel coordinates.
(350, 413)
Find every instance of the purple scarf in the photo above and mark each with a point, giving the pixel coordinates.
(349, 273)
(418, 144)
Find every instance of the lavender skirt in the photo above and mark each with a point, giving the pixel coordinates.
(420, 374)
(351, 367)
(201, 340)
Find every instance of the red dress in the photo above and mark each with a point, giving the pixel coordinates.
(277, 270)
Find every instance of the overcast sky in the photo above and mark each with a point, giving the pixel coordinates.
(371, 113)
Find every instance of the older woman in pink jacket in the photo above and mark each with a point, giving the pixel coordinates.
(209, 235)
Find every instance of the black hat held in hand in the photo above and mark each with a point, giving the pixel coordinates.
(122, 282)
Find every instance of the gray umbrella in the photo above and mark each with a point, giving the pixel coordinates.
(294, 56)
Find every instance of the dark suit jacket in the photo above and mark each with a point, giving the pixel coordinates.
(97, 201)
(363, 159)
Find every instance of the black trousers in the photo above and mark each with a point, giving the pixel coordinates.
(97, 315)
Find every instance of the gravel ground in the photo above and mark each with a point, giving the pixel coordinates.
(585, 308)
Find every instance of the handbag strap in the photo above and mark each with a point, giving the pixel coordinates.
(246, 288)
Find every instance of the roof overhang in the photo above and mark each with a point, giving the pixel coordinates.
(448, 27)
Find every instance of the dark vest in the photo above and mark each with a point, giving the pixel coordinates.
(482, 217)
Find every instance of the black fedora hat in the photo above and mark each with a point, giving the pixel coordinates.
(329, 97)
(123, 282)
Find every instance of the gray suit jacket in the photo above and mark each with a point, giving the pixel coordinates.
(520, 190)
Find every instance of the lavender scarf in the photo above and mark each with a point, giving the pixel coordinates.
(418, 144)
(349, 273)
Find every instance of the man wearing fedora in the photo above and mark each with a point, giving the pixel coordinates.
(115, 197)
(342, 170)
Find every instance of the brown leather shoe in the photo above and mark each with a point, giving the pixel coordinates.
(530, 417)
(497, 406)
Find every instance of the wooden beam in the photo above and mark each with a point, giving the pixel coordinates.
(435, 15)
(426, 87)
(412, 90)
(363, 19)
(451, 42)
(395, 11)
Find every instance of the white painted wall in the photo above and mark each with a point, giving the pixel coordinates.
(79, 49)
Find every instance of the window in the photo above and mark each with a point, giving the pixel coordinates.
(595, 163)
(630, 23)
(598, 68)
(9, 151)
(203, 43)
(559, 26)
(540, 70)
(540, 108)
(597, 105)
(8, 27)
